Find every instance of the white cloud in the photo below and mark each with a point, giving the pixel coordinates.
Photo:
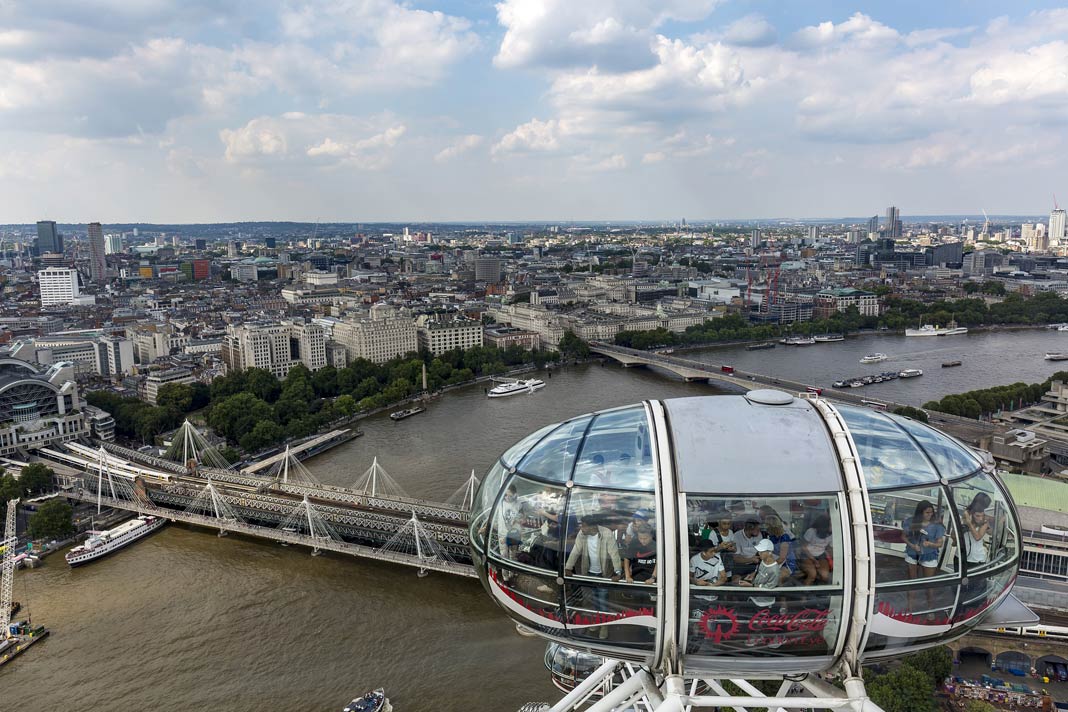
(458, 147)
(323, 139)
(1037, 74)
(611, 34)
(534, 136)
(859, 31)
(750, 31)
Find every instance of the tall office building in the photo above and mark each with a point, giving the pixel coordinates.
(813, 234)
(893, 222)
(59, 285)
(1056, 226)
(98, 266)
(873, 225)
(113, 244)
(48, 238)
(200, 244)
(754, 239)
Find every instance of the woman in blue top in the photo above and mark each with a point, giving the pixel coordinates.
(924, 537)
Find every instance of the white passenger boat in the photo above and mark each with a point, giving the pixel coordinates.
(873, 358)
(512, 388)
(910, 373)
(931, 330)
(103, 543)
(828, 338)
(1056, 356)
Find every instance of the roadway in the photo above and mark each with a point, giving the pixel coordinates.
(964, 428)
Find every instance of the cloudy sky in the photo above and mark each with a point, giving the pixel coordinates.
(365, 110)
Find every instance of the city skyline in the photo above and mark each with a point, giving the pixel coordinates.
(463, 111)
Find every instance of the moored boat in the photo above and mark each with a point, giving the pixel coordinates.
(827, 338)
(103, 543)
(512, 388)
(406, 413)
(930, 330)
(950, 364)
(1056, 356)
(910, 373)
(873, 358)
(760, 347)
(374, 701)
(798, 341)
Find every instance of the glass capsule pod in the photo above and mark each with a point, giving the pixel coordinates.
(745, 534)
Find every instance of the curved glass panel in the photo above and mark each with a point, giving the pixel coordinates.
(952, 459)
(515, 453)
(617, 452)
(554, 457)
(487, 495)
(988, 528)
(914, 535)
(527, 525)
(765, 575)
(888, 456)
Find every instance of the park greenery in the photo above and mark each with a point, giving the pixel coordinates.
(254, 410)
(987, 401)
(1014, 309)
(34, 479)
(53, 520)
(909, 412)
(910, 686)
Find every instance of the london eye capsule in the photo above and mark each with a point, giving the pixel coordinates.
(746, 535)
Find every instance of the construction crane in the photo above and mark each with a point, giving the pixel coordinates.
(986, 224)
(7, 570)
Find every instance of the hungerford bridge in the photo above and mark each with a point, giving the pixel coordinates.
(372, 518)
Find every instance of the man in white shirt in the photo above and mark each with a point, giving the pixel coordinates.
(745, 552)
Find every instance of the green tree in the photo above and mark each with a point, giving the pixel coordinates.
(936, 663)
(178, 396)
(904, 689)
(979, 706)
(10, 488)
(36, 478)
(909, 412)
(346, 405)
(52, 520)
(572, 347)
(238, 414)
(262, 384)
(263, 434)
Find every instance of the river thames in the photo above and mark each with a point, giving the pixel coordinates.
(184, 620)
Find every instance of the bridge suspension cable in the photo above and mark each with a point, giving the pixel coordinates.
(464, 498)
(210, 503)
(290, 470)
(191, 449)
(306, 519)
(414, 540)
(117, 487)
(375, 481)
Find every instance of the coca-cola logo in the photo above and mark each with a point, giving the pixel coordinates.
(812, 620)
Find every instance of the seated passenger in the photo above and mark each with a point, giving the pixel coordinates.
(767, 574)
(599, 473)
(639, 563)
(784, 546)
(745, 553)
(705, 567)
(723, 537)
(815, 551)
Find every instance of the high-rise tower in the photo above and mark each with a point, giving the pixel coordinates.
(98, 266)
(893, 222)
(1057, 226)
(48, 238)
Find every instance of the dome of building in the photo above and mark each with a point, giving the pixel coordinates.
(747, 534)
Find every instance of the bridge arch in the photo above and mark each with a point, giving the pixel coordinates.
(975, 653)
(1047, 665)
(1014, 661)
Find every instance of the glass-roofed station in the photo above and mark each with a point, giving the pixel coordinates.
(746, 535)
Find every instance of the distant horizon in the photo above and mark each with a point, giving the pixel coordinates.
(907, 219)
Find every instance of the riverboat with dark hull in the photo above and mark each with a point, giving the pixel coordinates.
(950, 364)
(760, 347)
(406, 413)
